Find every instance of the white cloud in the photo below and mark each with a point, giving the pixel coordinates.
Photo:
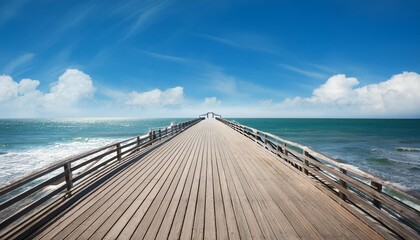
(396, 97)
(338, 88)
(157, 97)
(23, 99)
(71, 87)
(27, 86)
(8, 88)
(211, 101)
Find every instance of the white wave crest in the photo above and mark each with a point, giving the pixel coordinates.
(15, 164)
(407, 149)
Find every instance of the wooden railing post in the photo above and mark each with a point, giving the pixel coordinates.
(285, 150)
(119, 151)
(265, 140)
(160, 134)
(69, 176)
(378, 187)
(278, 148)
(343, 184)
(306, 154)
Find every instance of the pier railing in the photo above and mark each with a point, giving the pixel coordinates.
(369, 193)
(58, 181)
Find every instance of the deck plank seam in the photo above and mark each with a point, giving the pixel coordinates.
(276, 159)
(178, 151)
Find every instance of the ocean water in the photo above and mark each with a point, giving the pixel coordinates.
(29, 144)
(387, 148)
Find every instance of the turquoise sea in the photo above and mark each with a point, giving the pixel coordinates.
(389, 149)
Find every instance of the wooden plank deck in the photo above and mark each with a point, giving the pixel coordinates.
(208, 182)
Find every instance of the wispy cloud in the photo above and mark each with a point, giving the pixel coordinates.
(327, 69)
(9, 9)
(221, 40)
(18, 62)
(78, 15)
(166, 57)
(244, 41)
(142, 15)
(236, 88)
(311, 74)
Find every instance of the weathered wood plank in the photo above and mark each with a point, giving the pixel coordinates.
(210, 218)
(90, 220)
(231, 222)
(169, 203)
(241, 201)
(220, 216)
(143, 202)
(198, 228)
(182, 190)
(91, 204)
(177, 223)
(254, 202)
(117, 226)
(208, 182)
(187, 227)
(325, 208)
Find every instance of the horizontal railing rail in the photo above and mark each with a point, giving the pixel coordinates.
(369, 193)
(25, 194)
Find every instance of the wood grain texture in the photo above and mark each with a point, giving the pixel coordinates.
(209, 182)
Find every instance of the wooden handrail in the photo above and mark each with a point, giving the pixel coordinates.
(15, 195)
(350, 184)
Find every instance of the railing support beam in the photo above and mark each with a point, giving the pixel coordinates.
(305, 153)
(69, 176)
(343, 184)
(119, 152)
(378, 188)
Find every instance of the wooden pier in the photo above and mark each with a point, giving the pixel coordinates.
(206, 180)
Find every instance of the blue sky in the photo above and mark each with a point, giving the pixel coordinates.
(181, 58)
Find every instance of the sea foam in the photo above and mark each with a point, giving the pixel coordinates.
(407, 149)
(15, 164)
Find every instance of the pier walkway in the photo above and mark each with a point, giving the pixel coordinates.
(210, 182)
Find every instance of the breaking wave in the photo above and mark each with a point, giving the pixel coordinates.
(14, 164)
(407, 149)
